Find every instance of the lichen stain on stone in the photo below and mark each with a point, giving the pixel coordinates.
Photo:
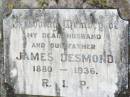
(99, 3)
(122, 66)
(7, 62)
(6, 69)
(10, 92)
(42, 3)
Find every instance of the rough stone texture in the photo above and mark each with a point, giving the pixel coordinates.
(101, 75)
(0, 18)
(124, 6)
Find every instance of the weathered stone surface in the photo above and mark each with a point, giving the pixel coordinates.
(94, 41)
(123, 5)
(0, 18)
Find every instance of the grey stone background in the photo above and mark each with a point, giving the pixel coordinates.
(6, 7)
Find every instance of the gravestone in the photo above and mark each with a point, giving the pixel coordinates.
(66, 52)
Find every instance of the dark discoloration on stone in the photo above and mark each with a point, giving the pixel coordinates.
(9, 89)
(62, 33)
(24, 50)
(24, 40)
(92, 18)
(7, 67)
(8, 83)
(63, 38)
(107, 41)
(57, 1)
(7, 62)
(123, 69)
(57, 89)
